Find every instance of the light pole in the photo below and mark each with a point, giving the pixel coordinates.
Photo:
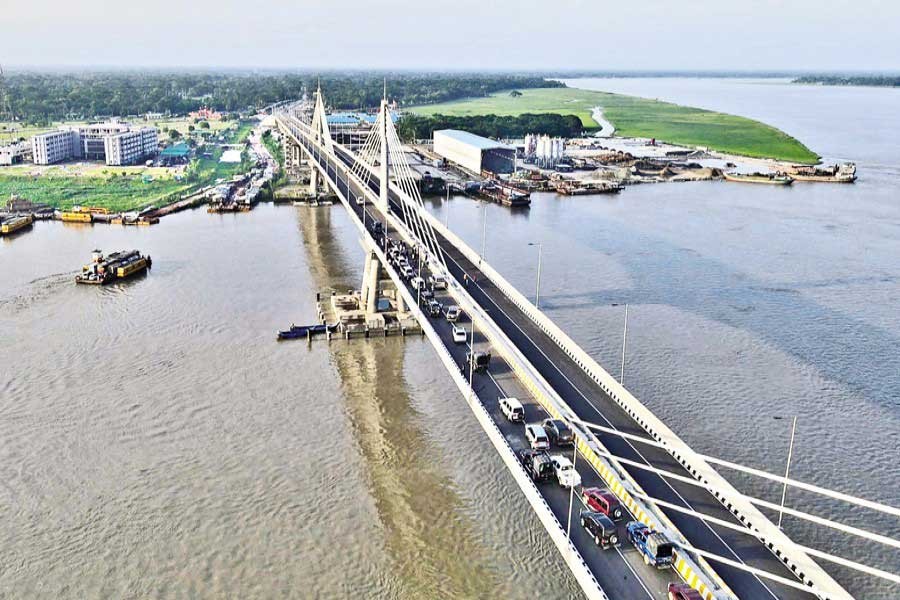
(483, 229)
(537, 293)
(624, 342)
(447, 209)
(787, 468)
(572, 491)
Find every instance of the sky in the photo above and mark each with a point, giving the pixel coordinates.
(621, 35)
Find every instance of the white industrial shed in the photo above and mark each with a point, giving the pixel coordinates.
(474, 152)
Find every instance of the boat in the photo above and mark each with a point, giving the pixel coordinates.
(768, 178)
(73, 216)
(306, 331)
(11, 225)
(118, 265)
(573, 188)
(845, 173)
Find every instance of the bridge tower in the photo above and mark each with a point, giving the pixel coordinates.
(385, 174)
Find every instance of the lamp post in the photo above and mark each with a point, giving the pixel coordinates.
(787, 468)
(483, 229)
(624, 342)
(571, 492)
(537, 293)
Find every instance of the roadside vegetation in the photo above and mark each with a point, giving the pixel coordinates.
(639, 117)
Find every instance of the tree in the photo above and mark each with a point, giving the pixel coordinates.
(191, 128)
(203, 125)
(515, 93)
(174, 135)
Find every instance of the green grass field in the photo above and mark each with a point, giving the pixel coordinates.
(117, 193)
(641, 117)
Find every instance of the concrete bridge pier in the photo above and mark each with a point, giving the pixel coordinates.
(368, 294)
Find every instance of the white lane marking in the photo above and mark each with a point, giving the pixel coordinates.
(611, 425)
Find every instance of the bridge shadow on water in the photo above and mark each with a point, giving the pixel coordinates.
(431, 541)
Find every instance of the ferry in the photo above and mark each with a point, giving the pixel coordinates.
(768, 178)
(11, 225)
(845, 173)
(118, 265)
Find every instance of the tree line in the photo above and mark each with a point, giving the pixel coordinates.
(872, 80)
(43, 97)
(419, 127)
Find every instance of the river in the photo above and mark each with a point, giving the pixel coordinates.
(155, 441)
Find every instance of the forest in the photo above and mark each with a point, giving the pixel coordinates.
(413, 126)
(41, 97)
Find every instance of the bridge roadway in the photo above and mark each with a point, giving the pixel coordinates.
(590, 403)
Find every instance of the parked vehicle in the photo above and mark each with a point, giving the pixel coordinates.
(536, 436)
(566, 474)
(460, 336)
(654, 546)
(603, 501)
(559, 432)
(438, 282)
(453, 313)
(478, 360)
(601, 528)
(512, 409)
(682, 591)
(537, 464)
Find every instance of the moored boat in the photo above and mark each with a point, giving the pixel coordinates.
(767, 178)
(845, 173)
(11, 225)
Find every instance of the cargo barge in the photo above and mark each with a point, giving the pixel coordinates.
(11, 225)
(118, 265)
(571, 188)
(766, 178)
(845, 173)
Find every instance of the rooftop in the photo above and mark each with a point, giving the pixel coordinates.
(473, 140)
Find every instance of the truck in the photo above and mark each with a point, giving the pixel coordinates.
(655, 548)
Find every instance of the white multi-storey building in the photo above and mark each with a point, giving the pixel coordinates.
(55, 146)
(115, 142)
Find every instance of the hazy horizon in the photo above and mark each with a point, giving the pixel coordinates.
(465, 35)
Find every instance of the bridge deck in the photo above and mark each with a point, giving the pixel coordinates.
(590, 403)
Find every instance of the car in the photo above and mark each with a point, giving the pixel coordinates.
(565, 471)
(360, 200)
(377, 228)
(438, 282)
(682, 591)
(536, 436)
(656, 549)
(427, 296)
(537, 464)
(559, 432)
(603, 501)
(511, 408)
(601, 528)
(406, 271)
(417, 283)
(479, 361)
(453, 312)
(460, 336)
(434, 308)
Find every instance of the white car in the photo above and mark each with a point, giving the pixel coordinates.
(566, 474)
(459, 335)
(360, 200)
(438, 282)
(453, 313)
(512, 409)
(537, 437)
(406, 271)
(418, 283)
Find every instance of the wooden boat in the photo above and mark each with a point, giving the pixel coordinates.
(766, 178)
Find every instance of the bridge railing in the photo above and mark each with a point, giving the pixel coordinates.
(800, 564)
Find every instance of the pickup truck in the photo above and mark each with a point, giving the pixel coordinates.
(654, 546)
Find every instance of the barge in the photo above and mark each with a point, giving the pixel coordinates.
(766, 178)
(845, 173)
(11, 225)
(118, 265)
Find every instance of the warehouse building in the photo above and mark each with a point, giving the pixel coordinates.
(473, 152)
